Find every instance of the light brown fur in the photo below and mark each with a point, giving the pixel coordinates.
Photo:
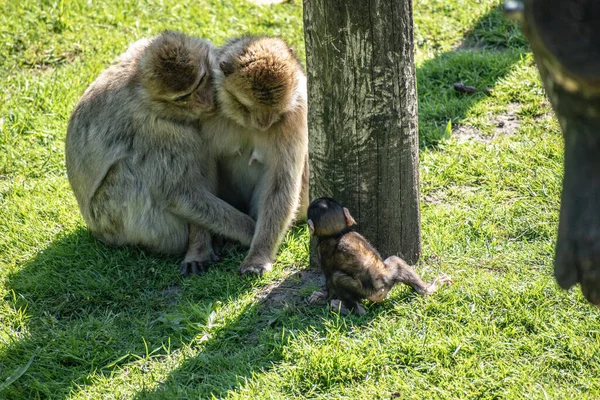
(139, 168)
(261, 139)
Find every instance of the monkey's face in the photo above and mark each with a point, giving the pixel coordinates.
(258, 81)
(239, 104)
(176, 72)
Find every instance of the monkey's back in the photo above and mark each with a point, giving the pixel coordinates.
(95, 135)
(122, 159)
(351, 254)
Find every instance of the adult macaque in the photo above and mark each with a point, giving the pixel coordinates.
(353, 269)
(261, 139)
(140, 170)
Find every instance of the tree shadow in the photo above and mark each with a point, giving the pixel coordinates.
(486, 54)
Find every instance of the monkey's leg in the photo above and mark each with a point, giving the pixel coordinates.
(349, 291)
(439, 282)
(322, 296)
(200, 252)
(345, 308)
(276, 200)
(120, 216)
(402, 272)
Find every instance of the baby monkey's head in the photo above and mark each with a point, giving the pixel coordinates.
(258, 79)
(175, 70)
(327, 217)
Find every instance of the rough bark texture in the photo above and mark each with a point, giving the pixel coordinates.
(363, 116)
(564, 39)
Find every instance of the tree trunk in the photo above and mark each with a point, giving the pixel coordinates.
(363, 139)
(564, 38)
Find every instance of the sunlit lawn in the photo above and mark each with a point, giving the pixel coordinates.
(82, 321)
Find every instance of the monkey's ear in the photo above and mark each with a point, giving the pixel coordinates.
(311, 227)
(226, 67)
(349, 220)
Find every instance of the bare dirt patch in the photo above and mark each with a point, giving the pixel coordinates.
(467, 133)
(507, 123)
(285, 296)
(504, 124)
(293, 290)
(435, 197)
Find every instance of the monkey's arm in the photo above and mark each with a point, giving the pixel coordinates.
(304, 194)
(277, 199)
(206, 210)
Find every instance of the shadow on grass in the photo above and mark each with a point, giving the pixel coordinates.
(487, 53)
(92, 311)
(257, 341)
(88, 308)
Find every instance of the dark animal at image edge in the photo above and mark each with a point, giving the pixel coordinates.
(564, 39)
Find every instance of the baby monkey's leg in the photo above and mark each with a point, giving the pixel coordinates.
(402, 272)
(342, 294)
(200, 252)
(350, 291)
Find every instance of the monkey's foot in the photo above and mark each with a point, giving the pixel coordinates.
(338, 306)
(197, 265)
(439, 282)
(194, 268)
(257, 267)
(317, 298)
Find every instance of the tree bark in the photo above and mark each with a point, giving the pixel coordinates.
(564, 38)
(363, 139)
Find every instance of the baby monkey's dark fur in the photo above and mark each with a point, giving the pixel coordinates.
(353, 269)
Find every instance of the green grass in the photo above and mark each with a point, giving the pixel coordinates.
(82, 321)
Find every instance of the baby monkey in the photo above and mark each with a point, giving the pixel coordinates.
(353, 269)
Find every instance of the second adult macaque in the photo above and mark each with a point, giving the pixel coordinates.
(353, 269)
(261, 139)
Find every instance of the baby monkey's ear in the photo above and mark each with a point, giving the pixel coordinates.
(311, 227)
(349, 220)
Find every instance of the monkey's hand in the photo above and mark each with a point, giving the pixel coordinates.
(255, 265)
(317, 298)
(195, 264)
(439, 282)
